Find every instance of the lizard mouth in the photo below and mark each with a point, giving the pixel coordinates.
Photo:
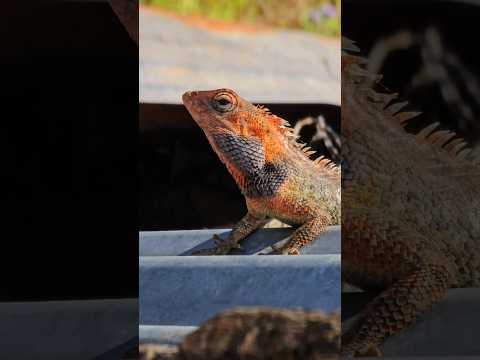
(195, 106)
(187, 100)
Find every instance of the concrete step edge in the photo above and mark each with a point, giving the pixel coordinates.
(184, 242)
(240, 261)
(189, 290)
(163, 334)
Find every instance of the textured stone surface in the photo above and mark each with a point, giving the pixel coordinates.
(263, 66)
(183, 242)
(188, 290)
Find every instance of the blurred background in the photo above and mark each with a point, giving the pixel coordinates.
(427, 52)
(282, 54)
(322, 16)
(269, 51)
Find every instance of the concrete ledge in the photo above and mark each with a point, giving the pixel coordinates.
(165, 335)
(183, 242)
(189, 290)
(450, 329)
(70, 330)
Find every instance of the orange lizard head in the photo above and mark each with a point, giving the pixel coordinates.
(222, 111)
(215, 109)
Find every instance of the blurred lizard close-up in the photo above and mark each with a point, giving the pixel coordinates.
(258, 333)
(410, 226)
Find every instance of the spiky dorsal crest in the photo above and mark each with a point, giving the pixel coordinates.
(292, 139)
(445, 142)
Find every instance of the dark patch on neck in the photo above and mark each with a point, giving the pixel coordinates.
(248, 156)
(266, 181)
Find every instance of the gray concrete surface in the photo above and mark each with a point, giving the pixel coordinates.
(188, 290)
(69, 330)
(264, 66)
(183, 242)
(161, 334)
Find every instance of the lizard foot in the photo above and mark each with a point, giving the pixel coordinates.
(222, 247)
(360, 350)
(278, 250)
(292, 251)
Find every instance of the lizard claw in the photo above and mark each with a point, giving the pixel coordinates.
(220, 242)
(238, 247)
(281, 250)
(222, 247)
(293, 251)
(370, 351)
(276, 250)
(204, 252)
(217, 239)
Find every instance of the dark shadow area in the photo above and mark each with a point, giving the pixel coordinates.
(69, 75)
(412, 38)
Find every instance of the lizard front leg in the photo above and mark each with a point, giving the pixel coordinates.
(303, 235)
(396, 308)
(240, 231)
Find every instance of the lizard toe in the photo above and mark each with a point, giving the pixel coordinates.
(294, 251)
(222, 247)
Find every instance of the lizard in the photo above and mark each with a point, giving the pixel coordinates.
(410, 208)
(257, 333)
(272, 169)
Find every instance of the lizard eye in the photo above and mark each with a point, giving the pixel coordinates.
(224, 102)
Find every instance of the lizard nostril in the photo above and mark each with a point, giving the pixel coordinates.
(188, 95)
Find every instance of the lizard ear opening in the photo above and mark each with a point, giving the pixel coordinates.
(224, 102)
